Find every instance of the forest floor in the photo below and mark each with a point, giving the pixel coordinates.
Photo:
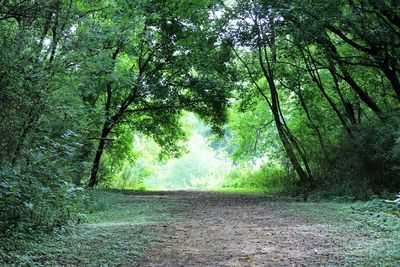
(218, 229)
(195, 228)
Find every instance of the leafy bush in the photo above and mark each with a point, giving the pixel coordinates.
(271, 178)
(365, 165)
(29, 205)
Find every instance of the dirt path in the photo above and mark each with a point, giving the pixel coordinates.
(231, 230)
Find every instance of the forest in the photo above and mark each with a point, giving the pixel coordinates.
(123, 122)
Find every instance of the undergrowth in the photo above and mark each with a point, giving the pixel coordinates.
(268, 179)
(114, 231)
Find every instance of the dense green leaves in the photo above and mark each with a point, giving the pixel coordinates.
(80, 79)
(309, 88)
(326, 74)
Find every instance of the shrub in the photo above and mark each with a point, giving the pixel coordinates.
(37, 195)
(269, 177)
(366, 164)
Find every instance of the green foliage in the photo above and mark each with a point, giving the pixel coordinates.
(202, 167)
(366, 164)
(319, 91)
(250, 133)
(268, 177)
(35, 206)
(98, 88)
(30, 206)
(75, 75)
(43, 122)
(129, 162)
(43, 151)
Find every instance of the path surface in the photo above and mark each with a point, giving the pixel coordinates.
(230, 230)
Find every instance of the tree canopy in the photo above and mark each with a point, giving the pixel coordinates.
(309, 89)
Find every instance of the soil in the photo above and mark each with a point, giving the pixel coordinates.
(217, 229)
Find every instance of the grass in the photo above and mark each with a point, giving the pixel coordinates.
(118, 227)
(115, 232)
(238, 190)
(372, 228)
(374, 224)
(380, 232)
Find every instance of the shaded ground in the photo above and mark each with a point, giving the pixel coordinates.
(231, 230)
(117, 227)
(192, 228)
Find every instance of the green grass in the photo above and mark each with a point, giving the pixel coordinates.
(115, 232)
(380, 228)
(118, 226)
(238, 190)
(374, 225)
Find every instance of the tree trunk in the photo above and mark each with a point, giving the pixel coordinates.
(274, 106)
(391, 75)
(290, 153)
(20, 143)
(107, 126)
(364, 96)
(268, 72)
(346, 104)
(99, 152)
(313, 125)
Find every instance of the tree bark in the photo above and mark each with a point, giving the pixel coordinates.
(346, 104)
(102, 142)
(99, 152)
(316, 78)
(274, 106)
(313, 125)
(391, 75)
(107, 126)
(349, 79)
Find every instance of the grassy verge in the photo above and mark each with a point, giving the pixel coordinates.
(379, 225)
(237, 190)
(114, 232)
(371, 229)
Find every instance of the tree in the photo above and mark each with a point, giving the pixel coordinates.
(158, 59)
(42, 118)
(317, 66)
(255, 27)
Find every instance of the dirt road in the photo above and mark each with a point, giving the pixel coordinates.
(231, 230)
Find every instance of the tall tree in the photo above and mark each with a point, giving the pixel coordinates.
(255, 26)
(158, 59)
